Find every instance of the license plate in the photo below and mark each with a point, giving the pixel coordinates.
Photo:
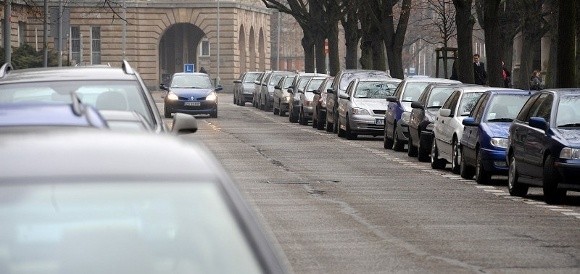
(195, 104)
(380, 122)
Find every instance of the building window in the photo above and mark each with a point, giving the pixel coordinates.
(75, 44)
(21, 33)
(204, 47)
(95, 45)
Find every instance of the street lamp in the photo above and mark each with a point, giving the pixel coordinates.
(218, 43)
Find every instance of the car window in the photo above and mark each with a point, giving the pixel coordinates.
(303, 81)
(505, 107)
(451, 102)
(375, 89)
(523, 115)
(274, 79)
(477, 111)
(314, 84)
(288, 81)
(251, 77)
(468, 101)
(129, 228)
(438, 96)
(568, 111)
(542, 107)
(412, 91)
(191, 81)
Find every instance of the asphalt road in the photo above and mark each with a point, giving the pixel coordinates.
(350, 206)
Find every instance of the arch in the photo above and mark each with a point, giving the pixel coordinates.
(252, 49)
(242, 47)
(178, 46)
(262, 50)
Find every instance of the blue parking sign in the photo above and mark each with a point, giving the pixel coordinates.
(188, 68)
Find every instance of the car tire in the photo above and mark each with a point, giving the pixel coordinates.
(214, 114)
(275, 111)
(335, 127)
(412, 150)
(455, 156)
(291, 116)
(387, 142)
(398, 144)
(167, 112)
(422, 152)
(436, 163)
(481, 175)
(301, 119)
(550, 180)
(349, 134)
(515, 188)
(329, 126)
(314, 119)
(320, 123)
(465, 171)
(340, 133)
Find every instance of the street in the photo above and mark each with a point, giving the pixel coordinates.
(350, 206)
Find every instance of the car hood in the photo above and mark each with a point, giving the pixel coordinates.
(372, 103)
(498, 129)
(571, 136)
(190, 92)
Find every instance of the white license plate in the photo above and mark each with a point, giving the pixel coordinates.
(380, 122)
(195, 104)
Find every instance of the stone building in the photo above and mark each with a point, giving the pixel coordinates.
(158, 37)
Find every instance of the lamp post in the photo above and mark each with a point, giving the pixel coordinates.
(218, 43)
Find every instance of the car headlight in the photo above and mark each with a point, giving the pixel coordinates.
(360, 111)
(172, 96)
(499, 142)
(211, 97)
(570, 153)
(406, 117)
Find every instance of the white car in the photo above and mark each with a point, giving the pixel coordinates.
(362, 109)
(448, 128)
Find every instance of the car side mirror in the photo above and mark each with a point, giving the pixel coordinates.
(183, 123)
(469, 121)
(277, 87)
(162, 86)
(344, 96)
(219, 87)
(392, 99)
(331, 91)
(445, 112)
(237, 81)
(416, 104)
(538, 122)
(315, 91)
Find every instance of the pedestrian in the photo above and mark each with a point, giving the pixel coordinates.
(505, 75)
(202, 70)
(454, 71)
(479, 70)
(536, 81)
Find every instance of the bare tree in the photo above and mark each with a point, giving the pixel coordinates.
(350, 23)
(567, 28)
(465, 22)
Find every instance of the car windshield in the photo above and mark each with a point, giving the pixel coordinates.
(288, 81)
(191, 81)
(251, 77)
(121, 228)
(438, 96)
(568, 111)
(314, 84)
(374, 89)
(303, 81)
(347, 77)
(468, 100)
(505, 107)
(413, 90)
(275, 79)
(104, 95)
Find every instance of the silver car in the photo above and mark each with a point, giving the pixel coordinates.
(361, 110)
(244, 87)
(306, 99)
(266, 100)
(319, 104)
(281, 97)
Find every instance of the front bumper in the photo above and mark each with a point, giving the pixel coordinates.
(494, 161)
(570, 172)
(367, 124)
(191, 107)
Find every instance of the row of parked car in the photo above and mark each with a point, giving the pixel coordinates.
(480, 131)
(92, 181)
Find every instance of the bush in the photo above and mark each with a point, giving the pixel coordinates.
(26, 57)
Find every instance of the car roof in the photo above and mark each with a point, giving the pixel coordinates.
(564, 90)
(104, 154)
(380, 78)
(191, 73)
(67, 74)
(508, 91)
(428, 79)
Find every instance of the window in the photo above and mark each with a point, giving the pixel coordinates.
(95, 45)
(75, 44)
(21, 33)
(204, 47)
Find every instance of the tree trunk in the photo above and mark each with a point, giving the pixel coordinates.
(394, 38)
(464, 22)
(531, 39)
(320, 65)
(333, 54)
(492, 43)
(566, 46)
(308, 46)
(378, 53)
(352, 38)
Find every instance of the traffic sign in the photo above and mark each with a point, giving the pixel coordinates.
(188, 67)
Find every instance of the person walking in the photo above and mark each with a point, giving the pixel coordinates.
(505, 75)
(479, 73)
(536, 81)
(202, 70)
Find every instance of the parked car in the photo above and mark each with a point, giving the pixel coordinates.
(244, 87)
(319, 104)
(82, 200)
(104, 87)
(338, 87)
(258, 88)
(306, 99)
(485, 133)
(422, 117)
(281, 97)
(396, 133)
(362, 109)
(295, 89)
(191, 93)
(448, 128)
(544, 145)
(266, 100)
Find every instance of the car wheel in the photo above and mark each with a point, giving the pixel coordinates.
(398, 144)
(291, 116)
(465, 171)
(481, 175)
(335, 127)
(514, 187)
(387, 142)
(550, 180)
(275, 111)
(214, 114)
(329, 126)
(422, 152)
(314, 119)
(167, 112)
(319, 123)
(349, 134)
(455, 156)
(301, 119)
(436, 163)
(412, 150)
(340, 132)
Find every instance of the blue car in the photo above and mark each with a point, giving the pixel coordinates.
(485, 134)
(191, 93)
(544, 145)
